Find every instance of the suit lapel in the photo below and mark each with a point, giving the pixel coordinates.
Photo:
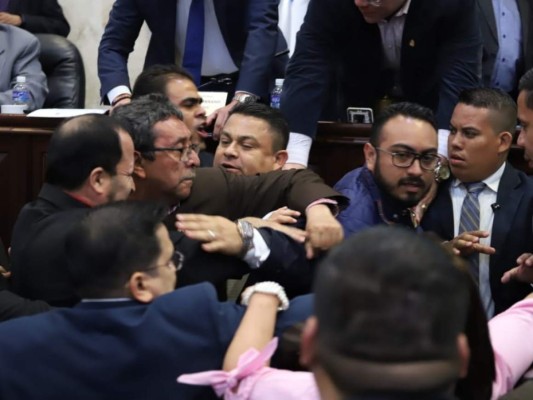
(3, 41)
(525, 17)
(488, 14)
(508, 199)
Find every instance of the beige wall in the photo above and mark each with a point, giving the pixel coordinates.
(87, 19)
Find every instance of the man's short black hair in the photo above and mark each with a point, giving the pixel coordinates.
(80, 145)
(141, 115)
(111, 243)
(405, 109)
(526, 84)
(386, 298)
(273, 117)
(503, 107)
(155, 78)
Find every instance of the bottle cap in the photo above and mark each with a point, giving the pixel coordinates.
(21, 79)
(279, 82)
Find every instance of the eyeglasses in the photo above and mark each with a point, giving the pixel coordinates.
(404, 159)
(175, 263)
(183, 152)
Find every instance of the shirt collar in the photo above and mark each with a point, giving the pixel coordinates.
(492, 182)
(404, 10)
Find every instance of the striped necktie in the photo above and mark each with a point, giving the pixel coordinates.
(470, 219)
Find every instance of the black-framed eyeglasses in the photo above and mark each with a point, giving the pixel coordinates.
(175, 263)
(183, 152)
(404, 159)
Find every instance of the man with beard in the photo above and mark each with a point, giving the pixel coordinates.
(401, 158)
(487, 209)
(89, 162)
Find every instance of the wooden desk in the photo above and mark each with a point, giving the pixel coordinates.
(337, 149)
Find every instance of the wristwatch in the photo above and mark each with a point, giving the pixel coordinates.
(246, 230)
(269, 287)
(245, 98)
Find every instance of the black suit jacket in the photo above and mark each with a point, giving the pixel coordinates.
(511, 236)
(489, 33)
(40, 16)
(440, 56)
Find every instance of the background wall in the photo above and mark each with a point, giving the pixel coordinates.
(87, 19)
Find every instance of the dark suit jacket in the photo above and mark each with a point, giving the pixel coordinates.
(123, 350)
(40, 16)
(38, 263)
(511, 236)
(249, 29)
(489, 33)
(437, 62)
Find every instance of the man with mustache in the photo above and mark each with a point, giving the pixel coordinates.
(179, 87)
(487, 209)
(401, 158)
(165, 171)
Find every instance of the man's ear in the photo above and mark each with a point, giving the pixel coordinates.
(506, 140)
(281, 158)
(99, 180)
(138, 166)
(308, 342)
(370, 156)
(139, 287)
(463, 349)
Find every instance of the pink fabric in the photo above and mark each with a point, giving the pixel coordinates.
(255, 381)
(511, 335)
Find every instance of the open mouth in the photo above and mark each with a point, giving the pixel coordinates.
(202, 131)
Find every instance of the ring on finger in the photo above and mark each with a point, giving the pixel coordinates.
(212, 234)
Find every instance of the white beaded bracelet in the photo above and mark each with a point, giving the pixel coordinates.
(270, 288)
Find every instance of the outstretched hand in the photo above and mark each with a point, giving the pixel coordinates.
(468, 243)
(523, 272)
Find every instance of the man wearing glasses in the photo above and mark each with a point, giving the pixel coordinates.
(165, 171)
(401, 159)
(378, 51)
(132, 334)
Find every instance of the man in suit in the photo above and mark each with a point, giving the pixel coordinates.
(401, 158)
(487, 208)
(507, 48)
(19, 56)
(165, 171)
(378, 51)
(132, 334)
(386, 325)
(240, 40)
(89, 162)
(35, 16)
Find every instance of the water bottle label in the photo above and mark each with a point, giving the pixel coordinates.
(275, 100)
(21, 97)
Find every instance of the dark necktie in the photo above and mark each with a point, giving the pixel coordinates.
(470, 219)
(194, 41)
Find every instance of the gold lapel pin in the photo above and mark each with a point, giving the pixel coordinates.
(412, 43)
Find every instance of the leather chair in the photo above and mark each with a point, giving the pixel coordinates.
(62, 63)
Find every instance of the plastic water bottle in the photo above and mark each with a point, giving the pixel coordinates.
(21, 93)
(275, 96)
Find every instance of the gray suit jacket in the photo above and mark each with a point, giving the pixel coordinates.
(489, 32)
(19, 55)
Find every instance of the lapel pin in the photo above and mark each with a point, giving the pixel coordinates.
(412, 43)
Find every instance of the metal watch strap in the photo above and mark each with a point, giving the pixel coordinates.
(246, 230)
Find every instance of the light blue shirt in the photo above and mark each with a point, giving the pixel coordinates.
(509, 30)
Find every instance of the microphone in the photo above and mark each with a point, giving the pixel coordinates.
(495, 206)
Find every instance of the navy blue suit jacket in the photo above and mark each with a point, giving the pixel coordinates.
(440, 56)
(249, 29)
(511, 236)
(123, 350)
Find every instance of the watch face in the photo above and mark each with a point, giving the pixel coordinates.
(442, 172)
(245, 98)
